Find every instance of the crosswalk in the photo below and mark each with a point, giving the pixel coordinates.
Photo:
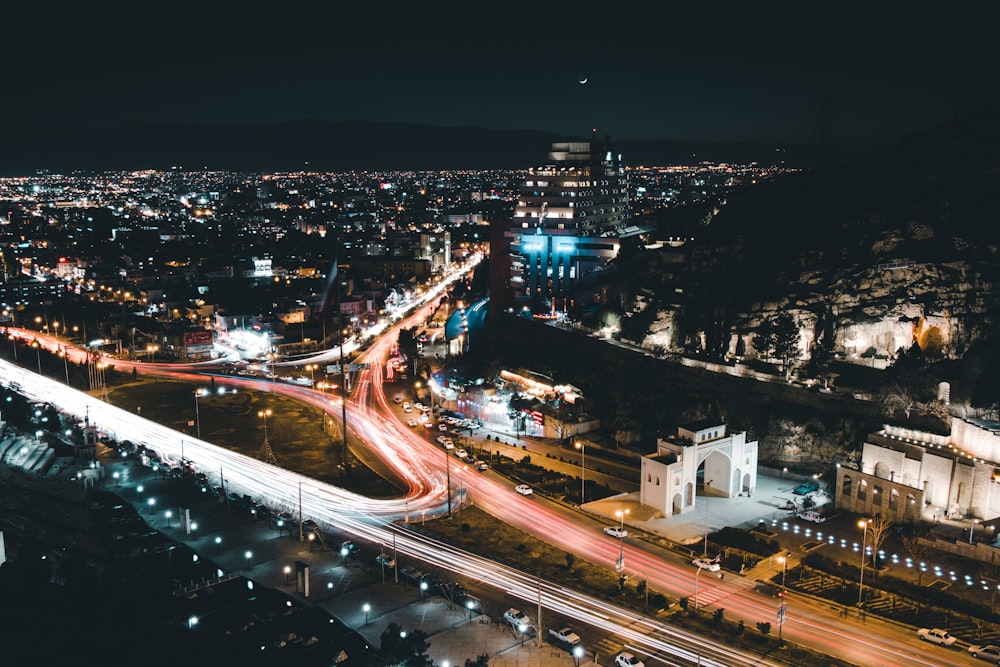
(713, 592)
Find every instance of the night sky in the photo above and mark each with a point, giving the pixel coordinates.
(721, 71)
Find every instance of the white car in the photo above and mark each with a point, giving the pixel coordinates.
(523, 489)
(461, 453)
(710, 564)
(615, 531)
(481, 465)
(625, 659)
(518, 619)
(809, 515)
(936, 636)
(411, 422)
(989, 653)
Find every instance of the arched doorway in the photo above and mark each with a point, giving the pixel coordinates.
(676, 503)
(715, 474)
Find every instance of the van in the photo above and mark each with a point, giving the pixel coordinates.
(809, 515)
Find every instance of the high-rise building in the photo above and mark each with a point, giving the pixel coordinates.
(570, 216)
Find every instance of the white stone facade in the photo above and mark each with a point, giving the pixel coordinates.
(669, 476)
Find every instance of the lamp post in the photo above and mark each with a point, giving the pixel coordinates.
(249, 555)
(367, 608)
(469, 605)
(972, 529)
(288, 573)
(197, 414)
(265, 414)
(579, 444)
(696, 587)
(861, 579)
(620, 563)
(706, 515)
(151, 351)
(329, 589)
(168, 514)
(116, 475)
(782, 606)
(38, 353)
(312, 374)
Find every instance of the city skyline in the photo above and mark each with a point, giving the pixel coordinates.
(728, 74)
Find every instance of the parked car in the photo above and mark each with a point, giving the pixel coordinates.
(615, 531)
(481, 465)
(710, 564)
(518, 620)
(810, 515)
(524, 489)
(461, 453)
(936, 636)
(411, 422)
(564, 636)
(386, 560)
(990, 653)
(805, 487)
(626, 659)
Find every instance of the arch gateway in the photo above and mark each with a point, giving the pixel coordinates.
(702, 459)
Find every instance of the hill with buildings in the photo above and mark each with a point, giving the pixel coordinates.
(319, 145)
(896, 255)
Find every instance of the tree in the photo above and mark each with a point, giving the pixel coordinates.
(778, 338)
(878, 530)
(482, 660)
(918, 551)
(399, 649)
(765, 628)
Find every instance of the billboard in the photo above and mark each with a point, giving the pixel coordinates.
(198, 337)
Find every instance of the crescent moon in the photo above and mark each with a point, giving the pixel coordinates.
(584, 80)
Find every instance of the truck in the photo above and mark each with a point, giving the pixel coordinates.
(564, 636)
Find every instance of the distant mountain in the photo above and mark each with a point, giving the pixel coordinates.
(330, 146)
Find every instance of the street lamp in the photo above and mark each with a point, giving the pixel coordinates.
(577, 654)
(343, 554)
(38, 353)
(523, 629)
(861, 580)
(249, 555)
(197, 414)
(423, 587)
(168, 514)
(620, 563)
(367, 608)
(579, 444)
(116, 475)
(288, 573)
(151, 351)
(782, 606)
(972, 529)
(329, 589)
(265, 414)
(469, 605)
(312, 374)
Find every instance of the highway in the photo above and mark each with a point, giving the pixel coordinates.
(422, 464)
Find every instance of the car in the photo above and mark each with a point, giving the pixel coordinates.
(809, 515)
(805, 488)
(461, 453)
(411, 422)
(564, 635)
(936, 636)
(710, 564)
(284, 519)
(347, 547)
(442, 427)
(989, 652)
(406, 405)
(309, 526)
(385, 560)
(397, 399)
(518, 620)
(615, 531)
(481, 465)
(407, 408)
(449, 443)
(626, 659)
(524, 489)
(770, 590)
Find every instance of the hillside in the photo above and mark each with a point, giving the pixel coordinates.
(324, 146)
